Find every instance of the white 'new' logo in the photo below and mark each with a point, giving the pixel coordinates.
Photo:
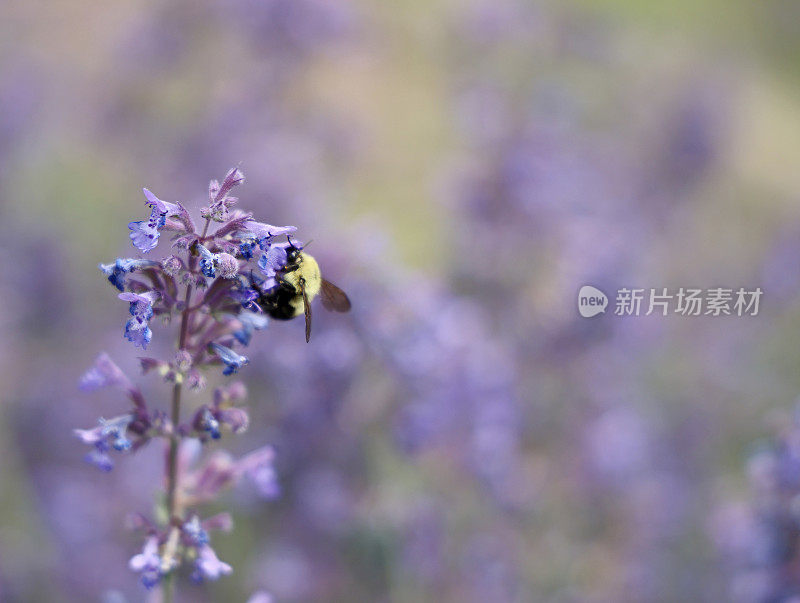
(591, 301)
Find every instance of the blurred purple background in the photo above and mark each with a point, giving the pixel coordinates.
(463, 169)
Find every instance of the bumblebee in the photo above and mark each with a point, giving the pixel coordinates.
(299, 282)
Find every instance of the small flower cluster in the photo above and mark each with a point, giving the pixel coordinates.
(209, 281)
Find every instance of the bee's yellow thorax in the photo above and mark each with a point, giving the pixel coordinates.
(308, 270)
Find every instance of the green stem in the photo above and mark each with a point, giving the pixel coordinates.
(173, 511)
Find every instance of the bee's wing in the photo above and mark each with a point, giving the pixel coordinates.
(334, 298)
(307, 308)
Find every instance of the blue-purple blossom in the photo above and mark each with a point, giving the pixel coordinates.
(273, 260)
(209, 424)
(246, 248)
(145, 233)
(251, 321)
(137, 330)
(207, 263)
(194, 531)
(117, 271)
(270, 262)
(147, 563)
(260, 230)
(109, 434)
(258, 467)
(246, 296)
(208, 566)
(104, 373)
(233, 361)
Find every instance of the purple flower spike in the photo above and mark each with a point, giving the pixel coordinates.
(104, 373)
(208, 566)
(213, 322)
(258, 467)
(233, 361)
(148, 563)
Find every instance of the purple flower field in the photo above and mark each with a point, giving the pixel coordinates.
(562, 366)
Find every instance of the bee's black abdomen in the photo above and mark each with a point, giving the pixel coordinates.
(278, 305)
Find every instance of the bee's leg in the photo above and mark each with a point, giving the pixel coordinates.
(291, 268)
(286, 286)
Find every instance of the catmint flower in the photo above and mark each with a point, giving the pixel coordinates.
(233, 361)
(208, 566)
(104, 373)
(261, 597)
(138, 333)
(141, 304)
(261, 231)
(208, 423)
(109, 434)
(117, 271)
(144, 234)
(258, 467)
(209, 419)
(148, 563)
(207, 262)
(195, 533)
(246, 248)
(137, 330)
(246, 297)
(270, 262)
(251, 321)
(211, 324)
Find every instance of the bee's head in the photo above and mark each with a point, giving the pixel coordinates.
(292, 252)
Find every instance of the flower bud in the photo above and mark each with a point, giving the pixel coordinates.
(183, 361)
(227, 265)
(171, 265)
